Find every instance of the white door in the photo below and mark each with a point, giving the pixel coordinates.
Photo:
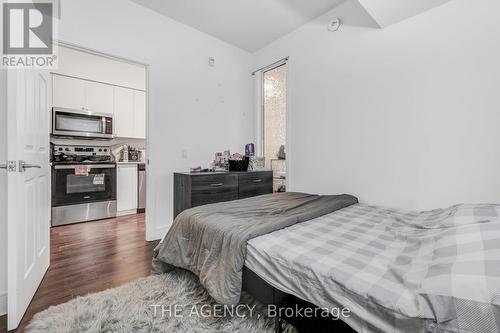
(69, 92)
(99, 97)
(27, 188)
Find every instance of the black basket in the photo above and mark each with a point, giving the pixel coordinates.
(238, 165)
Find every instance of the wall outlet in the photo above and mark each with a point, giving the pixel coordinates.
(184, 153)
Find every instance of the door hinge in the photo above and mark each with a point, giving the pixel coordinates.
(10, 166)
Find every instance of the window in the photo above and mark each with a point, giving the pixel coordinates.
(274, 106)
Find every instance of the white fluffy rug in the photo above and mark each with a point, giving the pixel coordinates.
(131, 308)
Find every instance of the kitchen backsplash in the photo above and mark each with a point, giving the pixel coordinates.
(138, 144)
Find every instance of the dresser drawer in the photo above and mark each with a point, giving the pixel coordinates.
(191, 190)
(213, 188)
(255, 183)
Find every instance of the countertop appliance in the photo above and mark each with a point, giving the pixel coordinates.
(134, 156)
(141, 174)
(83, 184)
(81, 123)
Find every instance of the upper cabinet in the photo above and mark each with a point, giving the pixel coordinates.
(140, 114)
(89, 82)
(99, 97)
(130, 113)
(93, 67)
(68, 92)
(124, 112)
(84, 95)
(127, 105)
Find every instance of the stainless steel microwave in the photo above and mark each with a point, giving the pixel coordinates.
(76, 123)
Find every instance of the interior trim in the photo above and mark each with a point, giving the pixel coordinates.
(98, 53)
(126, 212)
(3, 303)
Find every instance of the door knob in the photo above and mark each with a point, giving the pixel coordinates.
(23, 166)
(10, 166)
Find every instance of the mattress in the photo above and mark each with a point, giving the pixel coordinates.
(434, 271)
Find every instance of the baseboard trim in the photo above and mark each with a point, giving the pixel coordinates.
(126, 212)
(3, 303)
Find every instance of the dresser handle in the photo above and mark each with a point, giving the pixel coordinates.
(216, 185)
(257, 181)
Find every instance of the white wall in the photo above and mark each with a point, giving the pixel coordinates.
(407, 116)
(3, 193)
(191, 106)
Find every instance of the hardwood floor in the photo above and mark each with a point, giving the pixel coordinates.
(3, 324)
(91, 257)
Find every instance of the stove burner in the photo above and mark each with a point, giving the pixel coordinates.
(84, 155)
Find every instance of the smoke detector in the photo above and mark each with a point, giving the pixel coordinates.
(334, 24)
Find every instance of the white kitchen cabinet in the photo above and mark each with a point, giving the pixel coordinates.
(68, 92)
(99, 97)
(127, 105)
(80, 94)
(140, 114)
(130, 113)
(126, 186)
(94, 67)
(124, 113)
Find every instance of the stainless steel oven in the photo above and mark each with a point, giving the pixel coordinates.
(83, 192)
(76, 123)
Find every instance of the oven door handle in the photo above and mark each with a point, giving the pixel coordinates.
(67, 167)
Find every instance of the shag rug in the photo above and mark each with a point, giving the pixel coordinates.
(173, 302)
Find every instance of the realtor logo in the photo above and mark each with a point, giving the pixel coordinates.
(27, 34)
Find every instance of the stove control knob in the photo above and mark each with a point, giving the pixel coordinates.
(60, 149)
(100, 150)
(67, 149)
(105, 150)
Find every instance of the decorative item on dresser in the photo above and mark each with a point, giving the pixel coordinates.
(196, 189)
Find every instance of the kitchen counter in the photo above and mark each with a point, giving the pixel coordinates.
(125, 163)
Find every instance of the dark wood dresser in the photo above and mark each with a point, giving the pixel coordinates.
(196, 189)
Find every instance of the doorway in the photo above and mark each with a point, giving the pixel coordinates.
(88, 90)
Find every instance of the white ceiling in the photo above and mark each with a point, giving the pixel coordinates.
(248, 24)
(388, 12)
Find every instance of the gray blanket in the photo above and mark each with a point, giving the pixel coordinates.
(211, 240)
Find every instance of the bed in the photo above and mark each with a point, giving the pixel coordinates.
(435, 271)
